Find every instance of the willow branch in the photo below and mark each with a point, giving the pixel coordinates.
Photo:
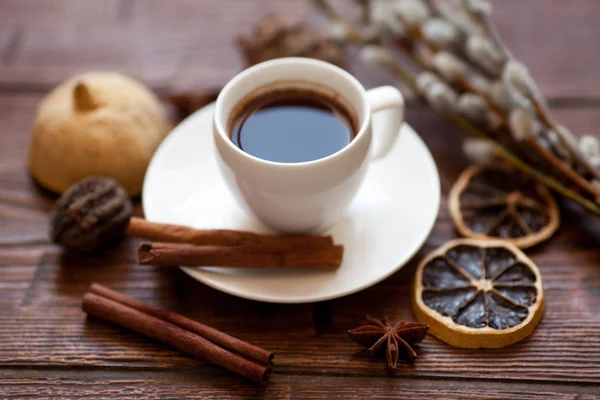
(546, 180)
(463, 124)
(403, 74)
(463, 84)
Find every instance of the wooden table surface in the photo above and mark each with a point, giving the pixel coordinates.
(48, 348)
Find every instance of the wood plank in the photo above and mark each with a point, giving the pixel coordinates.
(554, 39)
(50, 349)
(24, 206)
(49, 318)
(163, 44)
(177, 44)
(41, 290)
(186, 383)
(9, 41)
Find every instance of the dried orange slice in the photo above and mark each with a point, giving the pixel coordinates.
(478, 294)
(496, 201)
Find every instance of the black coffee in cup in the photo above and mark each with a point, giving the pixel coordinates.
(292, 122)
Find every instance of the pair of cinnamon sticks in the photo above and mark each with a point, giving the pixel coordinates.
(179, 245)
(180, 332)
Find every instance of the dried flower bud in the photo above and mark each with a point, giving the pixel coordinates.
(473, 107)
(457, 16)
(442, 98)
(375, 34)
(425, 80)
(517, 77)
(377, 55)
(500, 95)
(494, 120)
(397, 28)
(338, 31)
(479, 84)
(559, 148)
(482, 51)
(383, 14)
(407, 92)
(441, 32)
(589, 146)
(411, 12)
(567, 136)
(522, 125)
(449, 66)
(505, 98)
(425, 55)
(478, 7)
(544, 142)
(478, 112)
(478, 150)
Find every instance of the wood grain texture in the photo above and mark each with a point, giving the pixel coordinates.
(184, 383)
(179, 44)
(49, 349)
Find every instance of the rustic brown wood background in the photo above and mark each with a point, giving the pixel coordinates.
(48, 349)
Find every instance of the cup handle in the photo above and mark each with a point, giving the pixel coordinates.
(388, 101)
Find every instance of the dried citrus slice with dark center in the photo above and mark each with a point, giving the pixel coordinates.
(478, 293)
(497, 201)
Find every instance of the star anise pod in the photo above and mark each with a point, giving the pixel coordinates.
(380, 334)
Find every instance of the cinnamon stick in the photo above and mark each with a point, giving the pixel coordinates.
(191, 343)
(167, 254)
(139, 227)
(217, 337)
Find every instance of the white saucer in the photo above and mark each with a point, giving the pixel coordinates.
(384, 227)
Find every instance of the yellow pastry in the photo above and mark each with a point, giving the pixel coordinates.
(98, 123)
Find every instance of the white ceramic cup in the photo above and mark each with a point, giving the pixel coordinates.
(305, 197)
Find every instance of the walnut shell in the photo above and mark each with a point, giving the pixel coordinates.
(90, 215)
